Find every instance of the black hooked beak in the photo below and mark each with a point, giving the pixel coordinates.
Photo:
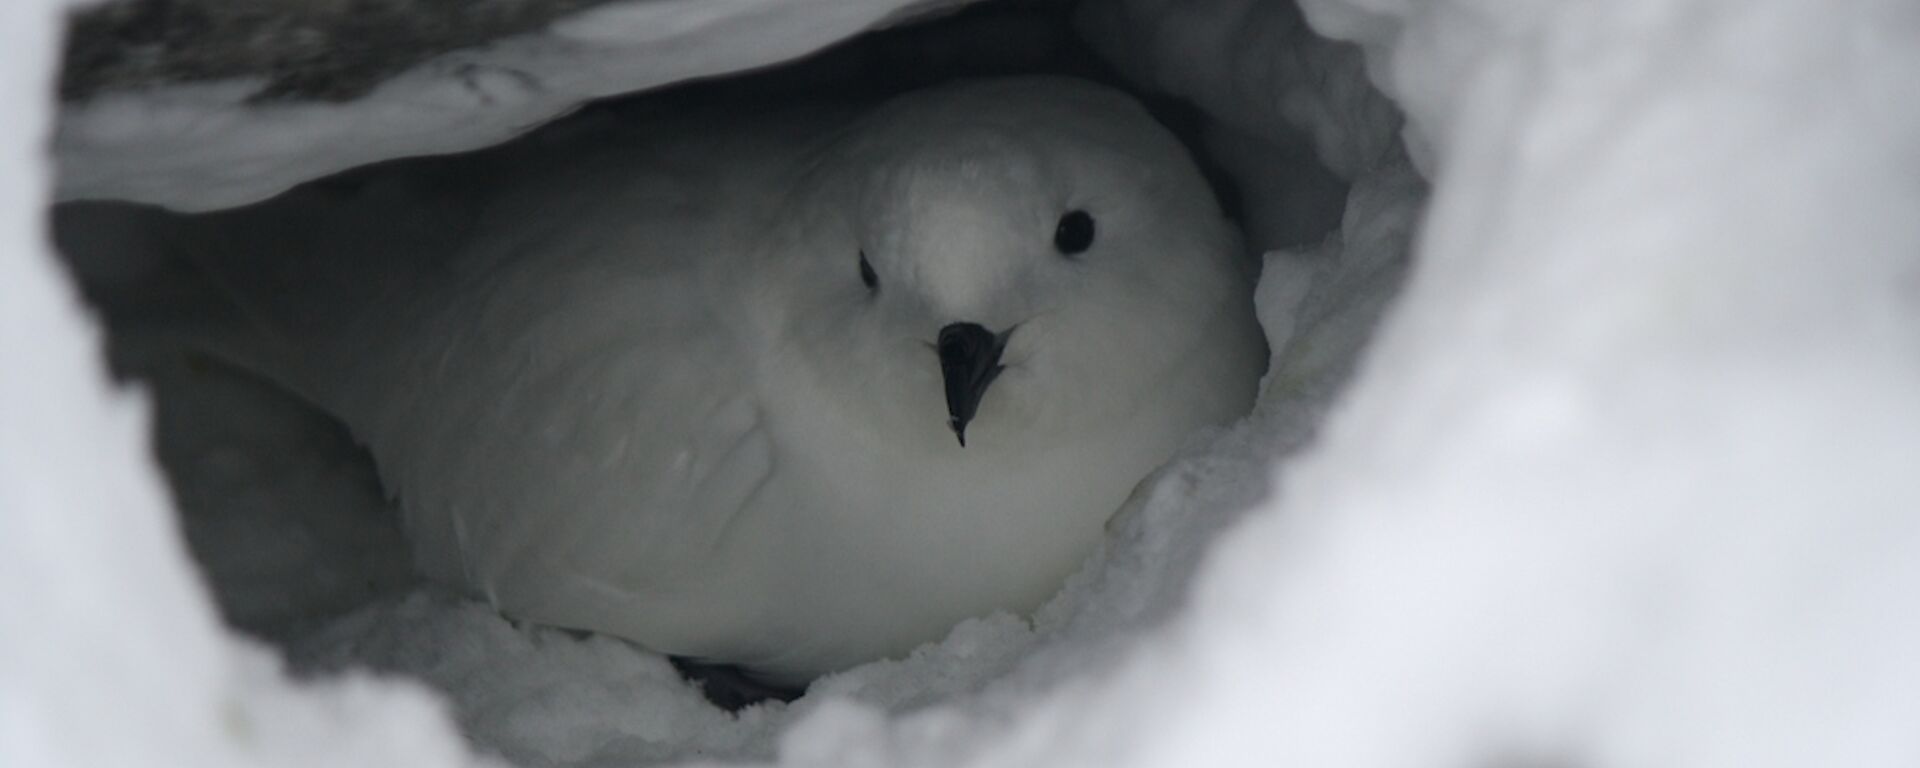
(969, 361)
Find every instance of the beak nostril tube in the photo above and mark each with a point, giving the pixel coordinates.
(969, 361)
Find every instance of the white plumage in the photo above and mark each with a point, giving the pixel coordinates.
(633, 378)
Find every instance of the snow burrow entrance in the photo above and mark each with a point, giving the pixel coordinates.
(1625, 478)
(300, 547)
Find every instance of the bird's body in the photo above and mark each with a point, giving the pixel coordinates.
(691, 385)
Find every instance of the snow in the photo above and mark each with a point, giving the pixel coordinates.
(1254, 66)
(110, 653)
(1624, 478)
(202, 146)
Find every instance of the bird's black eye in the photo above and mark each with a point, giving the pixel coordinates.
(1075, 232)
(867, 274)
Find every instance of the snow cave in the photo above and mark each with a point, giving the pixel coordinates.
(1587, 437)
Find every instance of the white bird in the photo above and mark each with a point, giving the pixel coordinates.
(792, 391)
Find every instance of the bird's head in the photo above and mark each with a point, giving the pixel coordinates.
(1022, 255)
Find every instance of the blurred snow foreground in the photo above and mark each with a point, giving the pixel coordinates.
(1626, 477)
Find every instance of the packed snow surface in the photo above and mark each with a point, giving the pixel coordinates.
(200, 146)
(1625, 478)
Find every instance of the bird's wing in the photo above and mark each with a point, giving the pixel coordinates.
(549, 482)
(568, 419)
(555, 394)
